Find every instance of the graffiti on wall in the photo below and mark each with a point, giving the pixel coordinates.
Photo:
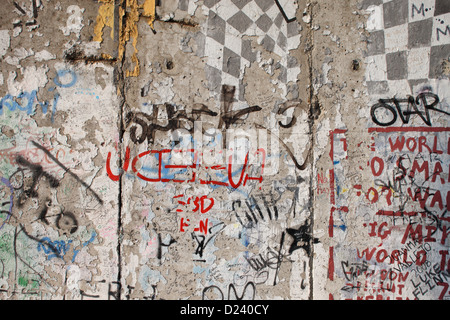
(397, 193)
(410, 226)
(114, 186)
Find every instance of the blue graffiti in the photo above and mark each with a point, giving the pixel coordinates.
(26, 101)
(62, 73)
(49, 247)
(59, 248)
(30, 101)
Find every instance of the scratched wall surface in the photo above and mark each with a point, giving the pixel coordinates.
(224, 149)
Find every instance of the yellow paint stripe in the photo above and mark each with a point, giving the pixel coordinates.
(149, 8)
(128, 29)
(105, 18)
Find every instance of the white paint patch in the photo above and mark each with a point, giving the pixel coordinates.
(338, 123)
(73, 277)
(289, 7)
(33, 79)
(418, 62)
(17, 31)
(74, 22)
(5, 42)
(19, 54)
(192, 7)
(325, 69)
(306, 18)
(375, 20)
(376, 68)
(91, 48)
(395, 40)
(44, 55)
(323, 131)
(164, 90)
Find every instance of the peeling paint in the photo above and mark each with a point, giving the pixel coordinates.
(105, 18)
(222, 149)
(127, 28)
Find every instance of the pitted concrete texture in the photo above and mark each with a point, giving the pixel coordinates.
(224, 149)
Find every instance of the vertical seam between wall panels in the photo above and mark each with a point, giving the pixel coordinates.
(120, 88)
(311, 154)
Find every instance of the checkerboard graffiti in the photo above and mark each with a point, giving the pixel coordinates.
(228, 48)
(409, 41)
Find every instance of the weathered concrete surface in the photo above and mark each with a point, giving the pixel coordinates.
(224, 149)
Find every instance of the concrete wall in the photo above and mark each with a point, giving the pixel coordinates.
(224, 149)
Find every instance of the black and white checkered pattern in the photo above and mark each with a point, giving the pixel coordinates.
(229, 51)
(408, 42)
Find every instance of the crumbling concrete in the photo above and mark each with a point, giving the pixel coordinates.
(224, 149)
